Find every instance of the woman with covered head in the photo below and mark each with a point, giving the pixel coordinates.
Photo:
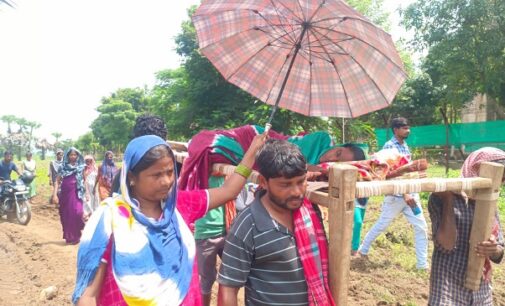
(106, 174)
(90, 177)
(452, 216)
(70, 183)
(137, 247)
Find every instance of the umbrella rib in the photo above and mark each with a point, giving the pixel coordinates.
(344, 18)
(362, 68)
(271, 25)
(280, 16)
(287, 8)
(315, 55)
(329, 60)
(317, 10)
(301, 9)
(310, 71)
(338, 73)
(279, 37)
(330, 43)
(248, 59)
(357, 38)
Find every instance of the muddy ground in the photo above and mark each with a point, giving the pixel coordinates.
(35, 257)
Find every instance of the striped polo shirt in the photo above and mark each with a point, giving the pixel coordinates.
(261, 255)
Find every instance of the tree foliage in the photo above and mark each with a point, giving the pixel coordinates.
(373, 10)
(88, 144)
(465, 41)
(113, 126)
(117, 112)
(18, 139)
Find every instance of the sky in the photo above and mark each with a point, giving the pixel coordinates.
(58, 58)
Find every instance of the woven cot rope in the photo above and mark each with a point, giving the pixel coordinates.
(466, 184)
(368, 190)
(440, 186)
(415, 186)
(399, 187)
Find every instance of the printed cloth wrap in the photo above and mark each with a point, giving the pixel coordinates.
(152, 260)
(216, 146)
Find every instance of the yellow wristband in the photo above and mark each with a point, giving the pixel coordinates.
(243, 170)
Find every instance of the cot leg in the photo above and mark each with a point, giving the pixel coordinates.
(342, 191)
(483, 220)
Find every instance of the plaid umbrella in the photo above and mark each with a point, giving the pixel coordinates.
(314, 57)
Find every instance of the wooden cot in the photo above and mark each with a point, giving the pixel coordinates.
(338, 196)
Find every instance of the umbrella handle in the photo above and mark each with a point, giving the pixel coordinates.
(268, 126)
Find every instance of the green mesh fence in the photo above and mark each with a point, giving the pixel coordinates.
(473, 135)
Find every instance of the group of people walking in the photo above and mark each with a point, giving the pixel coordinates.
(78, 188)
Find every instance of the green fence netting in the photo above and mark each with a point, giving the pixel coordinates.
(473, 135)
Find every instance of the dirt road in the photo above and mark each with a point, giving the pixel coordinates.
(34, 257)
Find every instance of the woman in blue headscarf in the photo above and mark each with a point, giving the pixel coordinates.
(70, 182)
(137, 247)
(106, 174)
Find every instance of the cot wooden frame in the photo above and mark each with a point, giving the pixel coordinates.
(338, 196)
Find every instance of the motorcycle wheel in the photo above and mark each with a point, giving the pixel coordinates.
(25, 212)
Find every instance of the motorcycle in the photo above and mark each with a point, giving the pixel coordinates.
(14, 200)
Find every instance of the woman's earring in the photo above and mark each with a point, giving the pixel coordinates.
(132, 184)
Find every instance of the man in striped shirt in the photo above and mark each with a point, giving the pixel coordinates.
(260, 251)
(408, 204)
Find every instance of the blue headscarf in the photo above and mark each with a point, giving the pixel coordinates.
(68, 169)
(143, 247)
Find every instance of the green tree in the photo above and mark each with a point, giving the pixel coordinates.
(21, 139)
(418, 101)
(113, 126)
(57, 136)
(88, 143)
(373, 10)
(137, 97)
(43, 145)
(9, 120)
(67, 143)
(32, 125)
(465, 41)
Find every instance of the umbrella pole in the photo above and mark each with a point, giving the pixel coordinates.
(283, 86)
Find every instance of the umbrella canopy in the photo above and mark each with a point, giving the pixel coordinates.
(314, 57)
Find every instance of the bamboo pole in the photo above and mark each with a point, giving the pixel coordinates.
(317, 191)
(180, 156)
(342, 185)
(178, 146)
(483, 220)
